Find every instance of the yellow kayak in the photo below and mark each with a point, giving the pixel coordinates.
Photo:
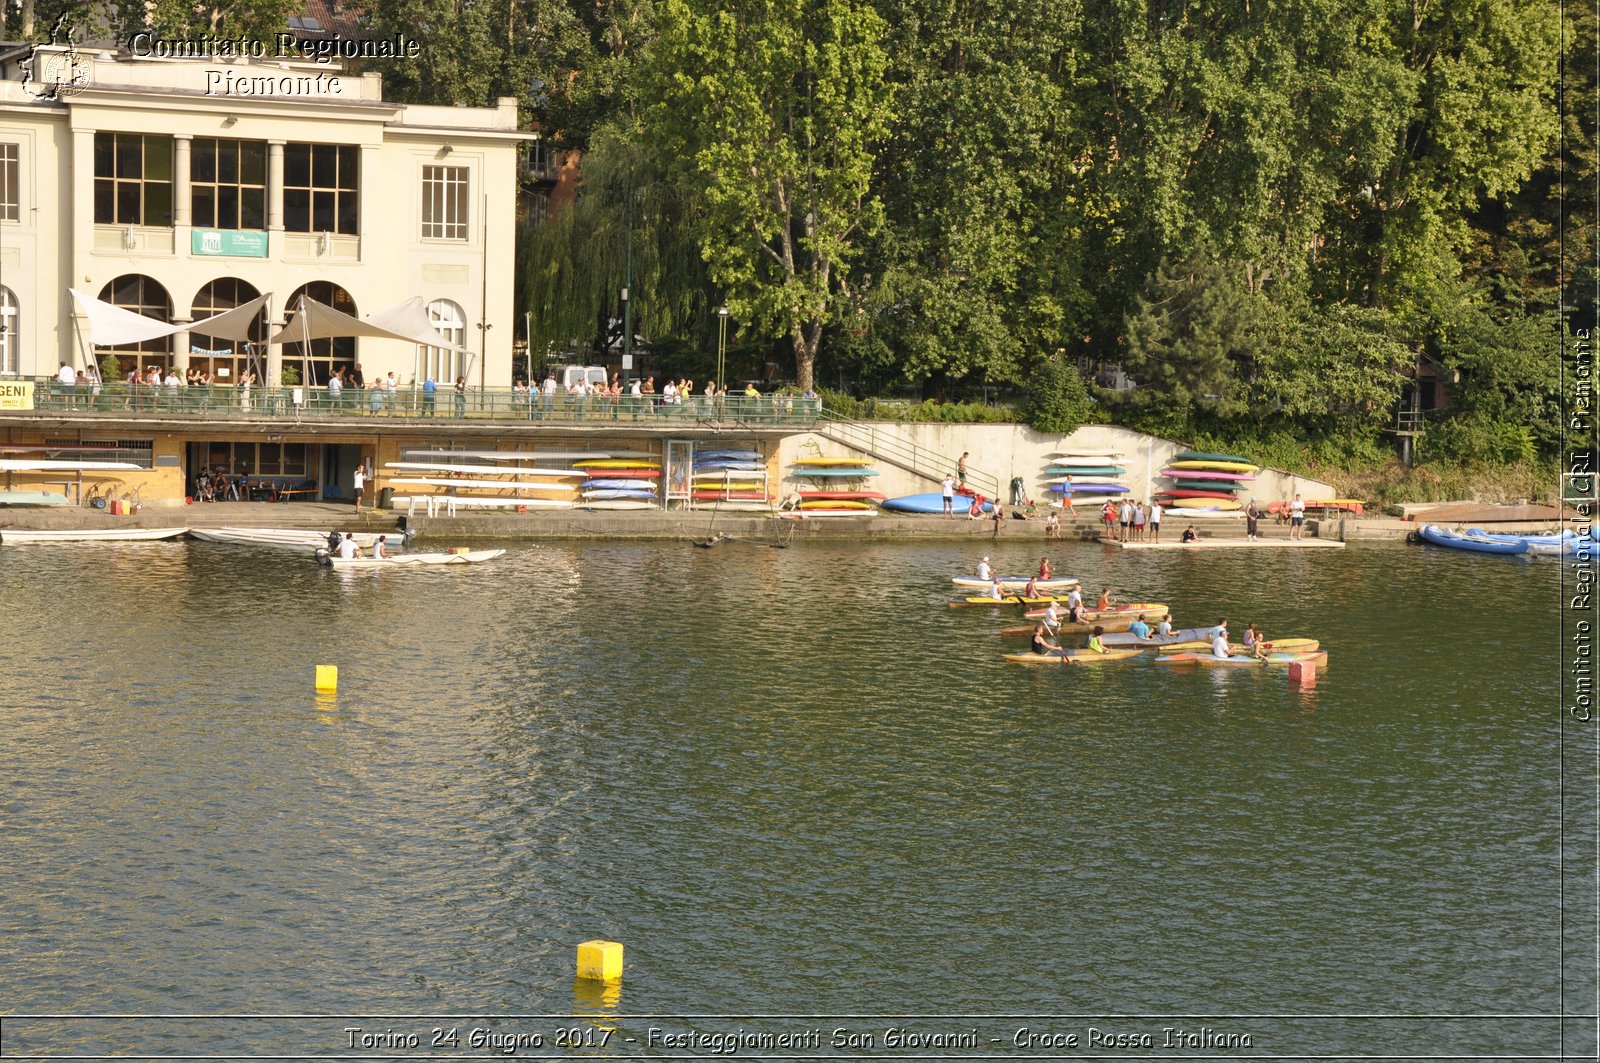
(616, 463)
(1217, 466)
(1072, 657)
(833, 463)
(833, 504)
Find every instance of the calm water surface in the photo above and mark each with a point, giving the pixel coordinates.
(790, 781)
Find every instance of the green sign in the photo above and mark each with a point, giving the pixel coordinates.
(240, 243)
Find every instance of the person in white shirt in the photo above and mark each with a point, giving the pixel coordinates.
(1219, 640)
(984, 571)
(68, 381)
(1125, 515)
(1155, 522)
(948, 490)
(360, 484)
(378, 548)
(349, 549)
(1297, 518)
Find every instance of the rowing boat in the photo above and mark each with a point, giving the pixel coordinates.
(24, 537)
(1071, 657)
(1206, 660)
(1132, 610)
(1275, 646)
(289, 538)
(484, 468)
(463, 557)
(1014, 584)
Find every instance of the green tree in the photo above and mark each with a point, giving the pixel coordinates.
(772, 110)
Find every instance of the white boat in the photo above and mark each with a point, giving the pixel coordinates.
(527, 455)
(289, 538)
(33, 498)
(480, 469)
(618, 503)
(21, 536)
(464, 557)
(1013, 584)
(1082, 457)
(52, 465)
(509, 485)
(817, 514)
(1084, 480)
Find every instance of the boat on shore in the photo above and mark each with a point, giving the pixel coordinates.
(462, 557)
(1436, 536)
(26, 536)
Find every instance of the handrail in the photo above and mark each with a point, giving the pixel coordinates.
(897, 450)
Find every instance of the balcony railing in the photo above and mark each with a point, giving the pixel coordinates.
(501, 404)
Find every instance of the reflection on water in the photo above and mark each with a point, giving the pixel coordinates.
(777, 776)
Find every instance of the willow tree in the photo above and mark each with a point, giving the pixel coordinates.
(772, 111)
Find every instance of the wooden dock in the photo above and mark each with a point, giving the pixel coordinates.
(1276, 543)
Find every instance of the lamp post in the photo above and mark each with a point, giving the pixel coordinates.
(722, 346)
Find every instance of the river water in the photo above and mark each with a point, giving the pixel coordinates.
(791, 783)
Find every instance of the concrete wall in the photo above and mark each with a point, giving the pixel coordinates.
(1003, 451)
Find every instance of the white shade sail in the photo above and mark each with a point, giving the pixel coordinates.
(408, 321)
(112, 326)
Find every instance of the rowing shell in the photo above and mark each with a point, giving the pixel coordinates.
(1071, 657)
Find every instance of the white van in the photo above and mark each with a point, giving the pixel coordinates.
(568, 375)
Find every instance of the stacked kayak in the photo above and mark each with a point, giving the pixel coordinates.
(484, 478)
(1202, 484)
(729, 476)
(932, 503)
(1076, 476)
(629, 482)
(1437, 536)
(834, 487)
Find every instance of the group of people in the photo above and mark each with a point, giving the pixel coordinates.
(346, 548)
(1132, 522)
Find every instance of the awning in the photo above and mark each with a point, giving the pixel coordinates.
(112, 326)
(407, 322)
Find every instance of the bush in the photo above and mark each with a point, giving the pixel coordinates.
(1058, 403)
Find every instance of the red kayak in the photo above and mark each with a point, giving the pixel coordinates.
(845, 496)
(730, 496)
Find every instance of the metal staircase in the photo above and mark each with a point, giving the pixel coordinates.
(888, 446)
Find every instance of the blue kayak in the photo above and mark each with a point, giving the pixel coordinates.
(1437, 536)
(1090, 489)
(930, 503)
(730, 455)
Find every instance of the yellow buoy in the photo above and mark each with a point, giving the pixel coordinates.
(600, 961)
(327, 677)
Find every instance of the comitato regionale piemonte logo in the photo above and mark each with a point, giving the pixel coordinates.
(55, 71)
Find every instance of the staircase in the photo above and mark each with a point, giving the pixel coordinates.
(887, 446)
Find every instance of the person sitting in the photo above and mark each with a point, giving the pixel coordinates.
(349, 549)
(1041, 642)
(984, 571)
(1045, 571)
(996, 591)
(976, 510)
(1053, 614)
(1139, 629)
(1106, 601)
(1164, 628)
(1095, 645)
(1031, 589)
(1189, 534)
(1219, 644)
(379, 550)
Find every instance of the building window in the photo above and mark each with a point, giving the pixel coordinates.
(538, 207)
(321, 188)
(228, 184)
(142, 295)
(449, 321)
(225, 359)
(325, 355)
(10, 329)
(132, 179)
(10, 189)
(444, 202)
(257, 459)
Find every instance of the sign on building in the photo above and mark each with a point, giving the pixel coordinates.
(238, 243)
(16, 394)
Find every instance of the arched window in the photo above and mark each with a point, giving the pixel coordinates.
(326, 355)
(142, 295)
(225, 359)
(10, 333)
(449, 321)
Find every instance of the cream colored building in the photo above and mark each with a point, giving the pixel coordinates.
(179, 188)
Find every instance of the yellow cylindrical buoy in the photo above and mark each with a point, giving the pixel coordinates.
(600, 961)
(327, 677)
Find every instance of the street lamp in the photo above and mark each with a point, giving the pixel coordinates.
(722, 346)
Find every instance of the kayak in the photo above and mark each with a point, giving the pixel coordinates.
(1203, 644)
(1207, 485)
(1013, 584)
(1429, 533)
(976, 600)
(1070, 657)
(1210, 474)
(833, 461)
(932, 503)
(1090, 489)
(1208, 458)
(1108, 624)
(1565, 543)
(878, 496)
(1190, 492)
(1084, 470)
(1133, 611)
(1206, 660)
(1186, 638)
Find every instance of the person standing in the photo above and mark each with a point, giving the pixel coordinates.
(1252, 520)
(1125, 516)
(1297, 518)
(1138, 522)
(1108, 514)
(430, 395)
(67, 384)
(1155, 521)
(961, 467)
(947, 492)
(336, 389)
(461, 396)
(360, 484)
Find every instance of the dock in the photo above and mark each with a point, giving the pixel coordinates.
(1276, 543)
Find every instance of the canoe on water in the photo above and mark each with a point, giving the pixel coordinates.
(1203, 645)
(1071, 657)
(1186, 638)
(1206, 660)
(1429, 533)
(464, 557)
(1109, 624)
(979, 600)
(1133, 610)
(1014, 584)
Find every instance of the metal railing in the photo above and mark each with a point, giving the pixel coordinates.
(505, 404)
(887, 445)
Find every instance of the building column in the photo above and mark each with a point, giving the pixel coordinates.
(79, 256)
(275, 357)
(274, 198)
(182, 200)
(180, 346)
